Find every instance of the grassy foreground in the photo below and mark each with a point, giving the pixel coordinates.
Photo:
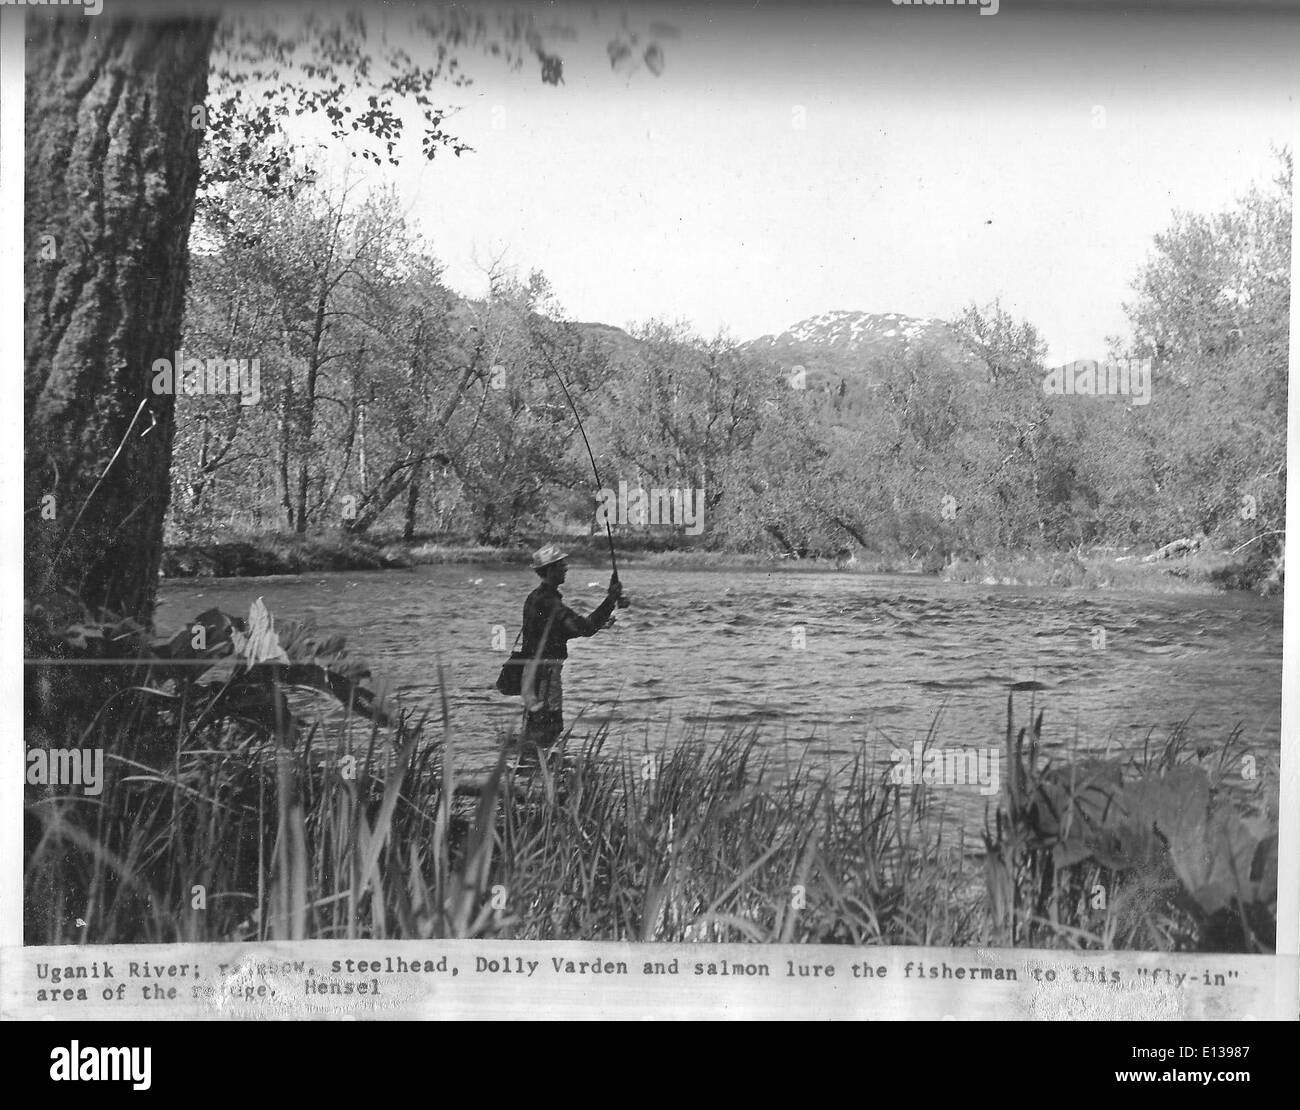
(224, 816)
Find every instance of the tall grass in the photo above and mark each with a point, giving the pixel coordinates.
(1170, 849)
(693, 844)
(236, 829)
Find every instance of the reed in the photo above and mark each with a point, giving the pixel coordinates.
(215, 827)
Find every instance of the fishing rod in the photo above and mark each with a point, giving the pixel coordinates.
(622, 602)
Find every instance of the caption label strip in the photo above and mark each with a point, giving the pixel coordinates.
(359, 980)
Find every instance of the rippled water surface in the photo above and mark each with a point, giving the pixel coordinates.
(883, 654)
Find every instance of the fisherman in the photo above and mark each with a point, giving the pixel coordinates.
(548, 626)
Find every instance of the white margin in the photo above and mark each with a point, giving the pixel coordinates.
(12, 33)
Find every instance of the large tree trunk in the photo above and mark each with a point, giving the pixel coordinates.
(112, 165)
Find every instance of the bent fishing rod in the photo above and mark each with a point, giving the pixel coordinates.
(622, 602)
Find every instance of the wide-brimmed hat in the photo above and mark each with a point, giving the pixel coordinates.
(545, 556)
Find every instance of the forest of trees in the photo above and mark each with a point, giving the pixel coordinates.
(389, 405)
(386, 403)
(132, 124)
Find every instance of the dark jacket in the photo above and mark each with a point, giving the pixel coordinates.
(551, 623)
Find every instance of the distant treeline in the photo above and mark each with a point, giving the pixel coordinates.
(388, 404)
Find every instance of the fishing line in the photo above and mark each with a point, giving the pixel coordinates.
(609, 533)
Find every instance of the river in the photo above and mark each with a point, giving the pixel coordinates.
(835, 660)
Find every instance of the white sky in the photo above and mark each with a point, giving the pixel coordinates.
(946, 157)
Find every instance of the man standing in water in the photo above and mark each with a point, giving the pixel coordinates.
(549, 625)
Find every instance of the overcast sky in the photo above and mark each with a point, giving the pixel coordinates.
(793, 161)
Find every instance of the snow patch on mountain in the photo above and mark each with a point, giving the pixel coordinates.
(855, 330)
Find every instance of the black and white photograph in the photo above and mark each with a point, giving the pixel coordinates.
(724, 487)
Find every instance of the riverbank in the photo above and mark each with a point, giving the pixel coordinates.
(280, 554)
(254, 557)
(1202, 572)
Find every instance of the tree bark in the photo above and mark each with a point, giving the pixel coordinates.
(361, 449)
(112, 166)
(283, 426)
(412, 505)
(307, 403)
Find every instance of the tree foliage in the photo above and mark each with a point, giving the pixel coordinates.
(440, 414)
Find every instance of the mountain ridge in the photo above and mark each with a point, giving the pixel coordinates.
(844, 349)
